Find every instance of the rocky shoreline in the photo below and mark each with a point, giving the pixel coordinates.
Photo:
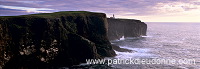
(60, 39)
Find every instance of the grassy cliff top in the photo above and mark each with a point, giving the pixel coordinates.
(58, 14)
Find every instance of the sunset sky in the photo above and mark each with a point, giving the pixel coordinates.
(145, 10)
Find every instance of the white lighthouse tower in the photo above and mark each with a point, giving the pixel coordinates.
(113, 16)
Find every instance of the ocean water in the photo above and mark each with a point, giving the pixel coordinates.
(163, 41)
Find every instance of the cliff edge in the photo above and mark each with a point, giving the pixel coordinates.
(125, 27)
(53, 39)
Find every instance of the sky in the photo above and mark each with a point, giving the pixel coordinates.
(144, 10)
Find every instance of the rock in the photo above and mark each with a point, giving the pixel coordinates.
(125, 27)
(53, 39)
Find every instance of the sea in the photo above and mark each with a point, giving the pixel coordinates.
(175, 42)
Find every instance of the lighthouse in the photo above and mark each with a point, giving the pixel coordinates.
(113, 16)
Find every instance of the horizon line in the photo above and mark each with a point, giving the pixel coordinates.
(172, 22)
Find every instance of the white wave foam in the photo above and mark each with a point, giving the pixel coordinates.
(122, 38)
(146, 36)
(129, 38)
(137, 53)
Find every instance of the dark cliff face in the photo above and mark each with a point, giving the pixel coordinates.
(125, 27)
(54, 39)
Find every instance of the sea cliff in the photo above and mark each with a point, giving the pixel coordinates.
(53, 39)
(125, 27)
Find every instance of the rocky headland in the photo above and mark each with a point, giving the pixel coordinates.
(53, 40)
(125, 27)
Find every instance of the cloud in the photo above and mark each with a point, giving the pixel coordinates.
(16, 3)
(28, 9)
(177, 8)
(13, 12)
(138, 7)
(30, 2)
(142, 9)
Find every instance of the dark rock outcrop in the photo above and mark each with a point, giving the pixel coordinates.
(53, 39)
(125, 27)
